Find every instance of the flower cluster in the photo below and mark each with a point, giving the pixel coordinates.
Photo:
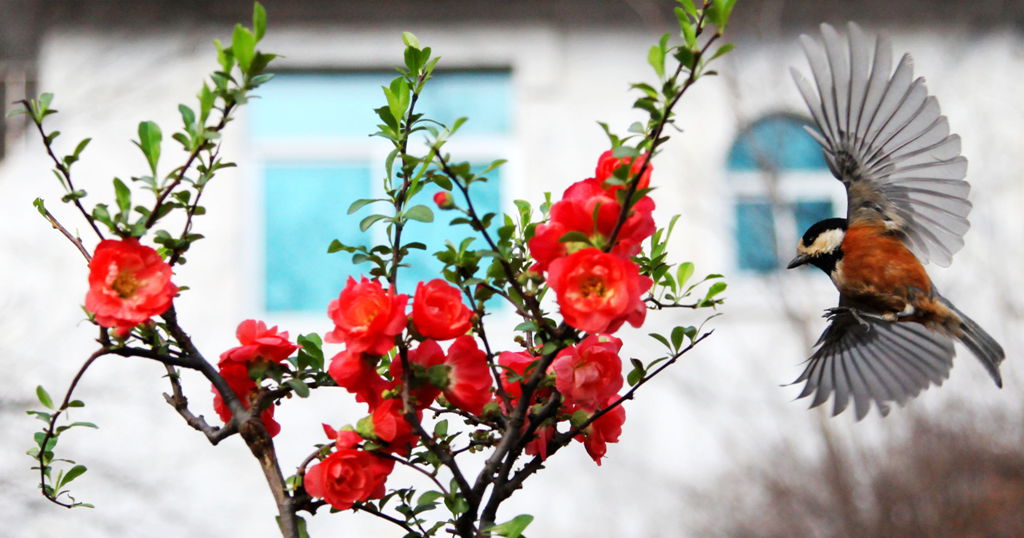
(258, 344)
(598, 288)
(369, 320)
(597, 285)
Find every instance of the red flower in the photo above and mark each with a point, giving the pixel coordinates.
(366, 318)
(258, 342)
(438, 312)
(390, 425)
(606, 429)
(427, 355)
(582, 203)
(237, 376)
(607, 164)
(589, 373)
(519, 364)
(349, 475)
(538, 446)
(128, 284)
(443, 200)
(357, 373)
(469, 381)
(597, 292)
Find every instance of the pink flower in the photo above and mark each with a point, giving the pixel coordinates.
(390, 425)
(128, 284)
(366, 317)
(357, 373)
(438, 311)
(427, 355)
(589, 373)
(469, 381)
(597, 292)
(607, 164)
(587, 207)
(347, 476)
(237, 376)
(258, 342)
(606, 429)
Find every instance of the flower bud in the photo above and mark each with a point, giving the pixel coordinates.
(444, 200)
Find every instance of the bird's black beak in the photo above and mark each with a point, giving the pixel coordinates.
(798, 261)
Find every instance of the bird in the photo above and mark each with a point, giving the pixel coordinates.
(883, 136)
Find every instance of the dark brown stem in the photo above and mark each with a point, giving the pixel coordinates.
(369, 509)
(658, 305)
(179, 402)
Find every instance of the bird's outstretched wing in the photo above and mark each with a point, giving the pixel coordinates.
(868, 358)
(886, 140)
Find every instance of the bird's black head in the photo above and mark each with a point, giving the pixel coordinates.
(820, 245)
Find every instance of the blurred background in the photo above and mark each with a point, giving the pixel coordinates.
(715, 447)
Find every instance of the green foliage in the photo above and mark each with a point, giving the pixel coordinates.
(53, 481)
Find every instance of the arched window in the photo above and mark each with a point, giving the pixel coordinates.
(781, 186)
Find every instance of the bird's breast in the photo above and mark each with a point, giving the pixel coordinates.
(878, 272)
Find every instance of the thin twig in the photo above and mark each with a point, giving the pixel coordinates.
(369, 509)
(77, 241)
(64, 170)
(51, 427)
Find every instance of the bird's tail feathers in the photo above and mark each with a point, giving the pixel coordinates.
(988, 351)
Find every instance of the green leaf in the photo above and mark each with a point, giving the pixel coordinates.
(429, 497)
(724, 49)
(300, 387)
(123, 195)
(72, 474)
(421, 213)
(259, 20)
(678, 334)
(81, 146)
(243, 46)
(574, 237)
(360, 203)
(40, 206)
(661, 339)
(410, 40)
(683, 273)
(44, 397)
(368, 221)
(149, 142)
(634, 376)
(513, 528)
(656, 58)
(715, 289)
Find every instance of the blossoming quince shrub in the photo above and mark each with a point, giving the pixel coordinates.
(434, 384)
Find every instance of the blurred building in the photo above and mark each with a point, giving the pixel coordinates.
(534, 77)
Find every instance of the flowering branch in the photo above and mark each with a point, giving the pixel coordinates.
(564, 384)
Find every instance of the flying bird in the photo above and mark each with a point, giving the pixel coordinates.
(885, 139)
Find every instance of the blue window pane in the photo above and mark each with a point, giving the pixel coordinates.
(423, 265)
(755, 236)
(806, 213)
(308, 105)
(778, 142)
(304, 209)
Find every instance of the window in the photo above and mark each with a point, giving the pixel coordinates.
(310, 132)
(781, 186)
